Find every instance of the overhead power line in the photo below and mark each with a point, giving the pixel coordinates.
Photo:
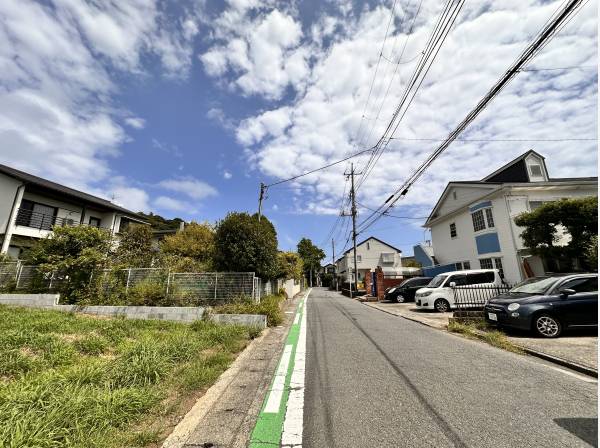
(562, 16)
(522, 140)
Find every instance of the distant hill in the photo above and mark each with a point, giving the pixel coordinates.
(157, 222)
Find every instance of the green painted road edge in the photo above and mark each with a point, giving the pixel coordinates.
(269, 426)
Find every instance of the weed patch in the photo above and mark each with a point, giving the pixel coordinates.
(75, 381)
(269, 306)
(481, 330)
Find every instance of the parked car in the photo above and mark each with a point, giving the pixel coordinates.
(438, 294)
(547, 305)
(405, 291)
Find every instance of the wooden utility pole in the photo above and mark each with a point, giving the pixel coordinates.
(351, 174)
(261, 196)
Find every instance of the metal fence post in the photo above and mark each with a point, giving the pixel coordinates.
(128, 275)
(168, 280)
(216, 282)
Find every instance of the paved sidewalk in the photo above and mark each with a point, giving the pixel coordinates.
(225, 416)
(580, 348)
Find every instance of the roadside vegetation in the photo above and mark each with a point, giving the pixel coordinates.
(270, 306)
(479, 329)
(68, 380)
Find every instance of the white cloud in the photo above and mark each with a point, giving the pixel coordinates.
(168, 203)
(227, 175)
(319, 123)
(189, 186)
(58, 63)
(136, 122)
(218, 116)
(259, 47)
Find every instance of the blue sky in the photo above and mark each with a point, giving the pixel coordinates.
(182, 108)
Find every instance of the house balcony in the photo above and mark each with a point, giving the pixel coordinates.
(42, 221)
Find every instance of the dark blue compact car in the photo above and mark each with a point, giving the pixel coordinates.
(547, 305)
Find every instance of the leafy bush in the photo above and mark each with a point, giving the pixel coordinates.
(269, 306)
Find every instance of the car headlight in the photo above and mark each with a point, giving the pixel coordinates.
(425, 294)
(391, 290)
(514, 307)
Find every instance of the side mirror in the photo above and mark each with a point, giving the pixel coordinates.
(452, 284)
(566, 292)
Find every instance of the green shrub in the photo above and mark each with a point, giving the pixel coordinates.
(147, 294)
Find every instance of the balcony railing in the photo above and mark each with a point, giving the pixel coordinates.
(42, 221)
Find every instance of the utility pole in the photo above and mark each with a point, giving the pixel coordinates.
(261, 196)
(333, 263)
(353, 214)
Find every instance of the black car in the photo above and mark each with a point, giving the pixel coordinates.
(405, 291)
(547, 305)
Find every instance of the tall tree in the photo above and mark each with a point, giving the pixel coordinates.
(135, 247)
(311, 257)
(245, 244)
(549, 227)
(290, 266)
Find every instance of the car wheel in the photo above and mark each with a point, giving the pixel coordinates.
(441, 305)
(547, 326)
(400, 298)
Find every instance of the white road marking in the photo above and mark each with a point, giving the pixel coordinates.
(294, 414)
(297, 319)
(274, 401)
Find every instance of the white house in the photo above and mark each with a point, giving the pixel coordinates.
(472, 224)
(370, 253)
(30, 206)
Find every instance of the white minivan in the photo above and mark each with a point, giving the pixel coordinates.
(438, 294)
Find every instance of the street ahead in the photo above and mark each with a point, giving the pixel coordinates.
(376, 380)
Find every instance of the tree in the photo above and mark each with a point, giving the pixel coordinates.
(591, 254)
(157, 222)
(412, 264)
(71, 254)
(196, 242)
(311, 256)
(245, 244)
(290, 266)
(135, 247)
(548, 227)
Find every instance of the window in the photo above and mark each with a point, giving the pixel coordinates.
(368, 246)
(359, 258)
(489, 217)
(463, 265)
(535, 170)
(478, 221)
(459, 279)
(387, 257)
(453, 230)
(95, 222)
(466, 265)
(486, 263)
(589, 284)
(480, 277)
(454, 195)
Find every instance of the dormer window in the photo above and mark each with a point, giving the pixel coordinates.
(535, 170)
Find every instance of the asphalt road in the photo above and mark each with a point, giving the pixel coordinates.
(376, 380)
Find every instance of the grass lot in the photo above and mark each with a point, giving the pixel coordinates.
(69, 380)
(481, 330)
(269, 306)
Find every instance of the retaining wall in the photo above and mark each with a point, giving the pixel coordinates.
(171, 313)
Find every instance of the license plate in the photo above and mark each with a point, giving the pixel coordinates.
(492, 316)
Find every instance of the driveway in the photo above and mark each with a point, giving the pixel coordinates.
(579, 347)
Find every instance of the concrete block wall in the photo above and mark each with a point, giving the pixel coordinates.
(184, 314)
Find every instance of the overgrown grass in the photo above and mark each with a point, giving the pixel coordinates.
(479, 329)
(270, 306)
(68, 380)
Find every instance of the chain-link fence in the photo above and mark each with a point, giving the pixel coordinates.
(188, 287)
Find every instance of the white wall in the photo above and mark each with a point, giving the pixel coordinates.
(371, 255)
(8, 190)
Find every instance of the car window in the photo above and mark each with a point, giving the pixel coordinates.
(480, 277)
(536, 285)
(584, 284)
(459, 279)
(424, 281)
(437, 281)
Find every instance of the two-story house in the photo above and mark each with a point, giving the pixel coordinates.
(370, 253)
(472, 225)
(31, 206)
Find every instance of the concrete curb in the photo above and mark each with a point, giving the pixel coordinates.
(186, 426)
(560, 361)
